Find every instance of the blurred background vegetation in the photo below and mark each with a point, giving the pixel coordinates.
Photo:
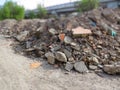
(86, 5)
(12, 10)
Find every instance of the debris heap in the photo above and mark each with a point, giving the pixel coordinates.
(90, 41)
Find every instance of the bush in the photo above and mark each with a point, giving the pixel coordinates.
(11, 10)
(86, 5)
(42, 12)
(31, 14)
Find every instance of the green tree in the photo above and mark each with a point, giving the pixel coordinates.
(42, 12)
(4, 13)
(11, 10)
(86, 5)
(31, 14)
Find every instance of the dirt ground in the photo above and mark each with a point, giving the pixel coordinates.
(15, 74)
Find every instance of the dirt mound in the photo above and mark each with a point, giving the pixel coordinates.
(87, 42)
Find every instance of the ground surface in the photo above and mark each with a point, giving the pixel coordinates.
(15, 74)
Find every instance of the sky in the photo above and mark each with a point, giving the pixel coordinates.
(32, 4)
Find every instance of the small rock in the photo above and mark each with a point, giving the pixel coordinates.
(69, 26)
(92, 67)
(18, 49)
(75, 46)
(68, 66)
(68, 40)
(80, 67)
(106, 56)
(40, 29)
(55, 47)
(99, 47)
(40, 53)
(112, 69)
(53, 31)
(60, 56)
(91, 38)
(71, 59)
(100, 66)
(95, 60)
(50, 57)
(40, 45)
(87, 50)
(22, 36)
(100, 42)
(67, 53)
(56, 65)
(29, 49)
(98, 33)
(28, 44)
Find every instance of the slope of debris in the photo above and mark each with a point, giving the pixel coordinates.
(90, 41)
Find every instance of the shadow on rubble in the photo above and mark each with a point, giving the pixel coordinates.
(107, 76)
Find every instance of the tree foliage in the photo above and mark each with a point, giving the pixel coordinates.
(42, 12)
(11, 10)
(31, 14)
(86, 5)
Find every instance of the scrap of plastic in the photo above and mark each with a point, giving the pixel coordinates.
(93, 23)
(113, 33)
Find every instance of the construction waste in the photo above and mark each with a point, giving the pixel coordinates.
(87, 42)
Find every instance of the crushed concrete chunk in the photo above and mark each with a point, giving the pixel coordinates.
(80, 31)
(60, 56)
(80, 67)
(50, 57)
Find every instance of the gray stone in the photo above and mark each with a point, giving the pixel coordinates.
(112, 69)
(68, 40)
(22, 36)
(100, 66)
(40, 45)
(60, 56)
(80, 67)
(28, 44)
(18, 49)
(50, 57)
(40, 29)
(75, 46)
(68, 66)
(95, 60)
(71, 59)
(29, 49)
(55, 48)
(92, 67)
(99, 33)
(40, 53)
(67, 53)
(99, 47)
(53, 31)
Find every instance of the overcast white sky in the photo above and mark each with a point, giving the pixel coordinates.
(31, 4)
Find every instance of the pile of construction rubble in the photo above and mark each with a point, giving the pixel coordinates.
(90, 41)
